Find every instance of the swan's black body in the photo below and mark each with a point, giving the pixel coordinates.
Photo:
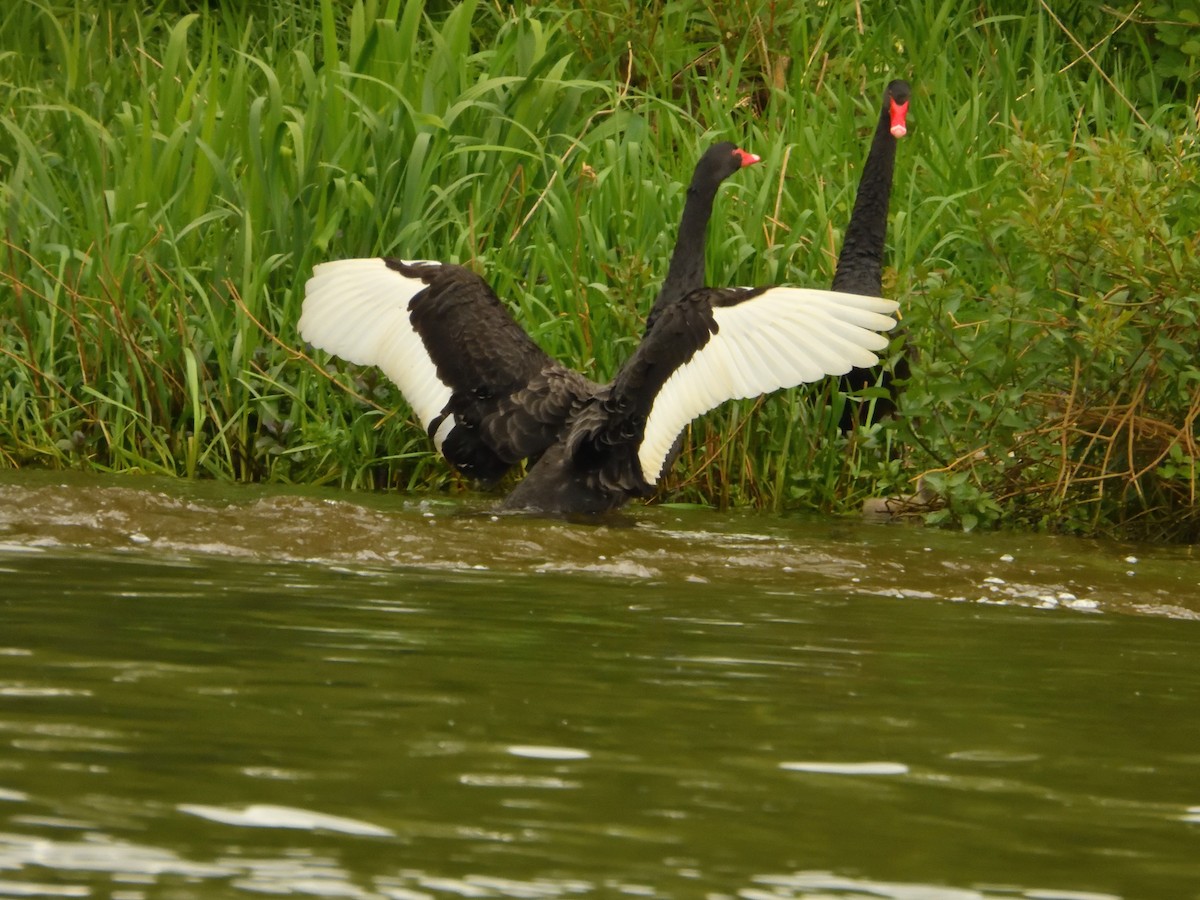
(509, 399)
(489, 397)
(860, 263)
(595, 466)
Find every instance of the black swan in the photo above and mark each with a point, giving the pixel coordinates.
(488, 396)
(860, 263)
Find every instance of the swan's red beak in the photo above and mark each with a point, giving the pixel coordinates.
(748, 159)
(899, 117)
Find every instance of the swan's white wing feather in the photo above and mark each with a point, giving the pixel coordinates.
(358, 309)
(780, 338)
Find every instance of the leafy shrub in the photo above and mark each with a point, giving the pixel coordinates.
(1157, 42)
(1066, 392)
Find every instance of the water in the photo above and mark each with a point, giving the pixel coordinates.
(217, 692)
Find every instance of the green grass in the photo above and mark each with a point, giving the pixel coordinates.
(168, 178)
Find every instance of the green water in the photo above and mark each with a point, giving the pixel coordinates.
(208, 692)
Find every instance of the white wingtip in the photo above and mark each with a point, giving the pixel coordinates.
(357, 309)
(780, 338)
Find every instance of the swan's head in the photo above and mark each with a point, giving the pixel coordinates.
(720, 161)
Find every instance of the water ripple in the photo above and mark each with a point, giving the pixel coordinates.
(176, 523)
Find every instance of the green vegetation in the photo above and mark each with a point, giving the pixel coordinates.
(169, 173)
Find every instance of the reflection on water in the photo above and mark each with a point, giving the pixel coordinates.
(212, 692)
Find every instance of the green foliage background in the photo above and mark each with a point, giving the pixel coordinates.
(170, 172)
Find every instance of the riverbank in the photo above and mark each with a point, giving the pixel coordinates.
(169, 181)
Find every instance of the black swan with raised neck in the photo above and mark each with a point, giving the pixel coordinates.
(489, 396)
(860, 262)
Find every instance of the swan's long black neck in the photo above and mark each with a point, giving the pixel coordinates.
(860, 264)
(686, 270)
(685, 273)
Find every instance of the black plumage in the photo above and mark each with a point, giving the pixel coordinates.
(508, 397)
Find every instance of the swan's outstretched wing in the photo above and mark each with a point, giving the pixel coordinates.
(717, 345)
(485, 392)
(358, 309)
